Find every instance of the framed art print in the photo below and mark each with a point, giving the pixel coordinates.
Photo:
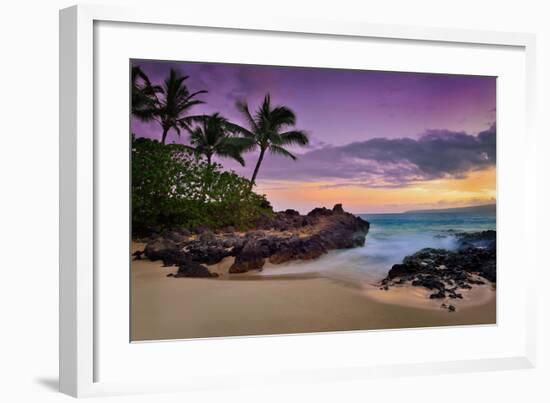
(311, 199)
(290, 200)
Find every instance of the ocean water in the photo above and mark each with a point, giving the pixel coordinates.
(390, 239)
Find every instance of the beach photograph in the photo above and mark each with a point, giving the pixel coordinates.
(271, 200)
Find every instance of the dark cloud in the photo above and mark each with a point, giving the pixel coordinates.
(382, 162)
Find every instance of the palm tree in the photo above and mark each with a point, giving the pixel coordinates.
(269, 130)
(143, 95)
(176, 101)
(215, 135)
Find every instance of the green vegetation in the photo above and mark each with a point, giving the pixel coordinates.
(179, 185)
(172, 188)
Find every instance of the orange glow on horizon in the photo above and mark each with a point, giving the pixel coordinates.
(478, 187)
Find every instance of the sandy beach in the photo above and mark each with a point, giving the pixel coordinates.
(254, 304)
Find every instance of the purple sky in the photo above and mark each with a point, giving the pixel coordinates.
(366, 127)
(341, 106)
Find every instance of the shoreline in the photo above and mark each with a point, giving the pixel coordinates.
(182, 308)
(402, 295)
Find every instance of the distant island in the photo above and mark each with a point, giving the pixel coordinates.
(485, 208)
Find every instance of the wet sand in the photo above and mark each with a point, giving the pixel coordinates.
(255, 304)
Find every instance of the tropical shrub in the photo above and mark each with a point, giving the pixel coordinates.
(173, 188)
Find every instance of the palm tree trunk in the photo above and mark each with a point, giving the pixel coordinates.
(257, 168)
(164, 134)
(207, 183)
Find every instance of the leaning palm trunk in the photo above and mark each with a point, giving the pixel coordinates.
(207, 179)
(257, 168)
(164, 135)
(268, 130)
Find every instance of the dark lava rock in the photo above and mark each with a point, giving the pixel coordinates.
(320, 211)
(207, 237)
(320, 231)
(484, 239)
(281, 237)
(199, 229)
(402, 269)
(447, 271)
(176, 236)
(297, 248)
(439, 294)
(193, 269)
(449, 307)
(173, 258)
(207, 254)
(252, 256)
(232, 242)
(430, 282)
(338, 209)
(159, 248)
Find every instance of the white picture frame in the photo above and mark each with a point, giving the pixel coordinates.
(78, 185)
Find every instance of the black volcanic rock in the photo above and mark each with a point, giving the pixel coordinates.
(283, 237)
(401, 270)
(159, 248)
(446, 271)
(297, 248)
(338, 209)
(320, 211)
(177, 236)
(207, 253)
(303, 238)
(193, 269)
(252, 255)
(484, 239)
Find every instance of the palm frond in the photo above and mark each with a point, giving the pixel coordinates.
(187, 104)
(175, 102)
(143, 95)
(194, 94)
(231, 153)
(282, 116)
(236, 129)
(242, 106)
(144, 114)
(294, 137)
(139, 74)
(278, 150)
(241, 144)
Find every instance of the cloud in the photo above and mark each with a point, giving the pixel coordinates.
(383, 162)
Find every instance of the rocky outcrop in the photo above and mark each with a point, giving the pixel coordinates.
(447, 272)
(285, 236)
(291, 236)
(160, 248)
(484, 239)
(252, 255)
(193, 269)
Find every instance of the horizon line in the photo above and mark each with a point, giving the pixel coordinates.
(431, 209)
